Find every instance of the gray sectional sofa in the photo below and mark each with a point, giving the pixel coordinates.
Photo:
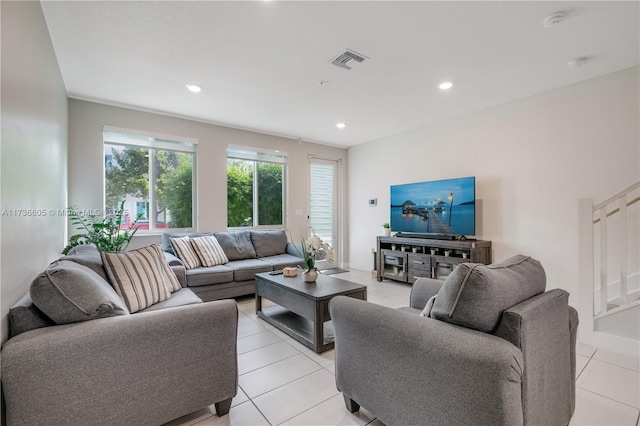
(249, 253)
(88, 361)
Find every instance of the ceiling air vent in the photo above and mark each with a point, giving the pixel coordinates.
(348, 59)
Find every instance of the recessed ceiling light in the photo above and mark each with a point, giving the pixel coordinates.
(194, 88)
(341, 125)
(445, 85)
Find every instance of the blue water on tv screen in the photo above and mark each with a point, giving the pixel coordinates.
(438, 207)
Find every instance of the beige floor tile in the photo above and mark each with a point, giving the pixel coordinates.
(248, 329)
(244, 319)
(621, 360)
(330, 412)
(324, 359)
(581, 363)
(266, 355)
(255, 341)
(331, 368)
(612, 382)
(245, 414)
(593, 409)
(296, 397)
(296, 345)
(239, 398)
(192, 418)
(265, 379)
(585, 350)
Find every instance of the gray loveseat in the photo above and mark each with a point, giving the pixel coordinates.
(97, 364)
(496, 350)
(249, 253)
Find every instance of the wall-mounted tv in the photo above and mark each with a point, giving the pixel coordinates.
(441, 207)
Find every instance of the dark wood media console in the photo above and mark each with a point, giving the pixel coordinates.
(407, 259)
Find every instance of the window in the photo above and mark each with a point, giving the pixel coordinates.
(153, 176)
(256, 182)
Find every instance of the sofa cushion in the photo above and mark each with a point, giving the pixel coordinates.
(269, 243)
(141, 277)
(179, 298)
(236, 245)
(212, 275)
(166, 239)
(185, 252)
(209, 251)
(247, 269)
(25, 316)
(475, 295)
(68, 292)
(89, 256)
(281, 260)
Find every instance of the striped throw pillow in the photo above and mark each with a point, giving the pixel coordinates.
(185, 252)
(209, 251)
(140, 277)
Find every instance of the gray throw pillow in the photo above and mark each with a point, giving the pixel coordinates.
(68, 292)
(475, 295)
(89, 256)
(269, 243)
(25, 316)
(236, 245)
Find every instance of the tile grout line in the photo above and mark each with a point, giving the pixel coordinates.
(321, 402)
(271, 363)
(606, 397)
(282, 385)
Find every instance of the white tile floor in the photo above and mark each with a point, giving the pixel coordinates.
(283, 382)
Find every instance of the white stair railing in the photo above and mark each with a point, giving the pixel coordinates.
(596, 237)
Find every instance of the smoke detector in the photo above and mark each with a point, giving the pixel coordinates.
(554, 19)
(348, 59)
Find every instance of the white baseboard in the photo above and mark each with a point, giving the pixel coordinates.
(617, 344)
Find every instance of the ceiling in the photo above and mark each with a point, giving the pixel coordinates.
(261, 63)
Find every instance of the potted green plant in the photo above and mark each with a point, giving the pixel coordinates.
(387, 229)
(105, 232)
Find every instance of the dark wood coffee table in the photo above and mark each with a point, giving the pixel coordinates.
(302, 309)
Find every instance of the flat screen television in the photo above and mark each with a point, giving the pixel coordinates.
(442, 207)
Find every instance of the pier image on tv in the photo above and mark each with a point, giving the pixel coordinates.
(445, 207)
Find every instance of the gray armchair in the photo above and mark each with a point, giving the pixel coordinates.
(497, 350)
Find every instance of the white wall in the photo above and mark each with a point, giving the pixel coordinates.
(34, 150)
(86, 161)
(532, 159)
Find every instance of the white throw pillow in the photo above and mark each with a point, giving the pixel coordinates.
(185, 252)
(209, 251)
(140, 277)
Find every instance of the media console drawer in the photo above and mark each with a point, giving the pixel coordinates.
(407, 259)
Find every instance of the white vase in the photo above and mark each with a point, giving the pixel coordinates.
(310, 276)
(387, 232)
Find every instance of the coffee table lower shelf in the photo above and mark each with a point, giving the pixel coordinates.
(296, 326)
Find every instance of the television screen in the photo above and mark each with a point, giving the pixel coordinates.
(442, 207)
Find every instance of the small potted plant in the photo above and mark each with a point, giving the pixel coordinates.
(446, 252)
(434, 251)
(387, 229)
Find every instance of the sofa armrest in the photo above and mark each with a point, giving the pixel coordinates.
(172, 260)
(422, 290)
(427, 368)
(181, 274)
(294, 249)
(145, 369)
